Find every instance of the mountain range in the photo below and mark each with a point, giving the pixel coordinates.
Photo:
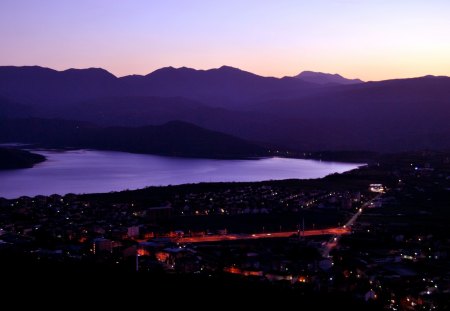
(309, 112)
(225, 86)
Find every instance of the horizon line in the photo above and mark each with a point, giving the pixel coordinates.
(217, 68)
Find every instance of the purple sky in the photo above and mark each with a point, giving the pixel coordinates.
(370, 39)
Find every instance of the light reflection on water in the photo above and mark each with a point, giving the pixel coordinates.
(89, 171)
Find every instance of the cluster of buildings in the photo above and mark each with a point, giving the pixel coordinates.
(399, 251)
(397, 255)
(263, 199)
(75, 227)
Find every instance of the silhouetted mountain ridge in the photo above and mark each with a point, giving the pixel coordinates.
(46, 88)
(221, 87)
(225, 86)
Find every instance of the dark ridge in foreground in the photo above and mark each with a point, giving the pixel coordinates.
(190, 290)
(13, 159)
(174, 138)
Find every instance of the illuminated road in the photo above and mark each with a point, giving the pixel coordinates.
(336, 233)
(284, 234)
(333, 242)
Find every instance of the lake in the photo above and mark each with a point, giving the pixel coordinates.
(90, 171)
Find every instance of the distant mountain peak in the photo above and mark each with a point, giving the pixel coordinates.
(226, 72)
(184, 68)
(170, 70)
(91, 71)
(433, 77)
(230, 68)
(325, 78)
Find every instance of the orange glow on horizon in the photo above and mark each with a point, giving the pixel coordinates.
(370, 40)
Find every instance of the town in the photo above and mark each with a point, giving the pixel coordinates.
(378, 233)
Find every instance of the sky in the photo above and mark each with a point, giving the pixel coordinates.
(367, 39)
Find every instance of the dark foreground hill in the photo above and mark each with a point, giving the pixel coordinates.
(173, 138)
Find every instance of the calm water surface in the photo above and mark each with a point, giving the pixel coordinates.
(89, 171)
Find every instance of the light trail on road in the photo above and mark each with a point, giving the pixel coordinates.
(268, 235)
